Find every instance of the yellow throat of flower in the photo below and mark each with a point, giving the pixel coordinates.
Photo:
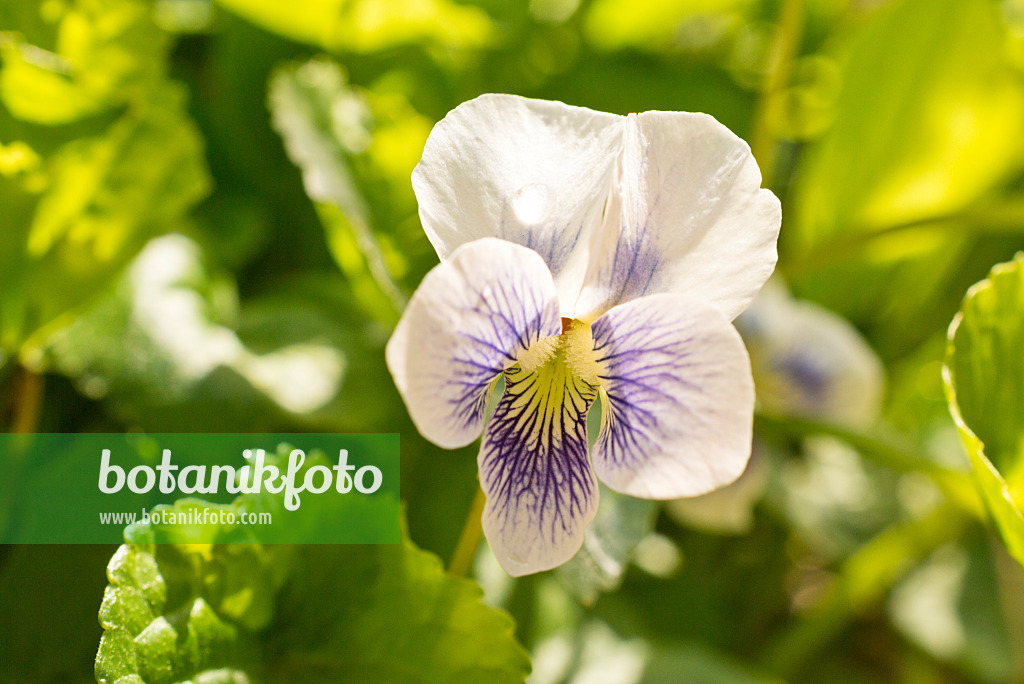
(574, 349)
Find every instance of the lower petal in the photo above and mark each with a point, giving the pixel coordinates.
(677, 395)
(541, 489)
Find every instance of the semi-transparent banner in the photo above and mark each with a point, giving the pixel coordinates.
(213, 488)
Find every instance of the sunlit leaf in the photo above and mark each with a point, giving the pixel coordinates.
(93, 192)
(887, 205)
(368, 25)
(324, 123)
(928, 120)
(43, 94)
(984, 380)
(106, 53)
(986, 366)
(356, 613)
(647, 24)
(108, 195)
(180, 323)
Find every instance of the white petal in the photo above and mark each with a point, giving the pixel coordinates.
(810, 361)
(540, 486)
(677, 396)
(467, 322)
(533, 172)
(687, 215)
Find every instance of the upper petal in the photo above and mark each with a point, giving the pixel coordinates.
(677, 397)
(541, 489)
(533, 172)
(467, 322)
(687, 215)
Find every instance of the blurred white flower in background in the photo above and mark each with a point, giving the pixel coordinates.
(807, 362)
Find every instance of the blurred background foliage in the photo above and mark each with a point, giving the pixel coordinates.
(208, 225)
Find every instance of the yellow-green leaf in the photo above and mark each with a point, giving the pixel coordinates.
(930, 117)
(984, 380)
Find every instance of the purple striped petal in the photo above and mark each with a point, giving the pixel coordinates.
(470, 319)
(540, 486)
(678, 398)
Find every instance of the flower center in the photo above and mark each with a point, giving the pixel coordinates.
(574, 348)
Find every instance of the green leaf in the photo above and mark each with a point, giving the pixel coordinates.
(107, 53)
(83, 198)
(928, 121)
(185, 603)
(364, 26)
(986, 366)
(984, 381)
(994, 491)
(160, 626)
(324, 122)
(107, 196)
(655, 24)
(886, 205)
(42, 94)
(193, 347)
(390, 614)
(358, 613)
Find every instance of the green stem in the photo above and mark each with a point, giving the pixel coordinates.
(469, 539)
(28, 401)
(780, 68)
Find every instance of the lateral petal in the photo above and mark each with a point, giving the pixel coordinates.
(466, 323)
(677, 398)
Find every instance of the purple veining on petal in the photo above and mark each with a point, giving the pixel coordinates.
(541, 489)
(678, 398)
(554, 242)
(648, 230)
(645, 364)
(632, 268)
(508, 316)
